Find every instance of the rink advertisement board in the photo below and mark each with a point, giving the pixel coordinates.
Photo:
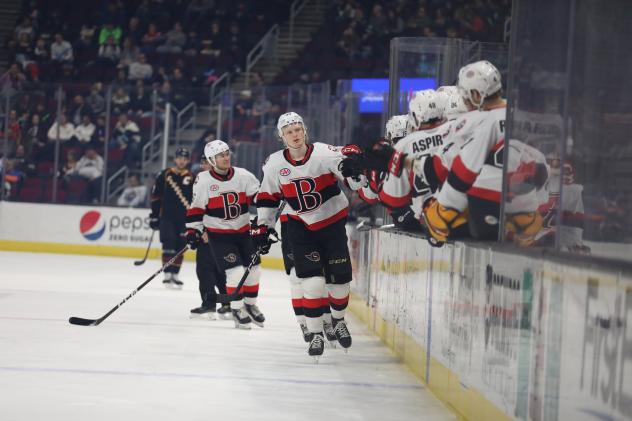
(498, 335)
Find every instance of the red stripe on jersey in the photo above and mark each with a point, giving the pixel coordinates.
(250, 288)
(230, 290)
(498, 145)
(325, 222)
(394, 201)
(460, 170)
(268, 196)
(440, 171)
(195, 211)
(297, 302)
(339, 301)
(229, 231)
(322, 182)
(491, 195)
(283, 217)
(324, 302)
(311, 302)
(365, 198)
(218, 201)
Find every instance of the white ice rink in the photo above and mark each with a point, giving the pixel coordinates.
(149, 361)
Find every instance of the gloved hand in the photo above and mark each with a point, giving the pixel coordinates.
(441, 220)
(383, 157)
(154, 222)
(404, 219)
(194, 237)
(523, 227)
(263, 237)
(352, 166)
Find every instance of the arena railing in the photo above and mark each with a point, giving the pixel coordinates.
(267, 46)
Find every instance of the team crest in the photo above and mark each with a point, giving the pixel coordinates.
(214, 187)
(231, 258)
(285, 172)
(313, 256)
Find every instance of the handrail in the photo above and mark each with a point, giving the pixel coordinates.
(147, 153)
(108, 194)
(266, 45)
(507, 29)
(295, 9)
(180, 126)
(215, 89)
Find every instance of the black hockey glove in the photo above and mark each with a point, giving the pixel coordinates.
(384, 158)
(194, 238)
(263, 237)
(154, 222)
(404, 219)
(352, 166)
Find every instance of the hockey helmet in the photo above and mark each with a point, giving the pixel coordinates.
(482, 77)
(424, 106)
(288, 119)
(184, 152)
(214, 148)
(453, 101)
(396, 127)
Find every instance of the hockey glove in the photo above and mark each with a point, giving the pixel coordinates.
(154, 222)
(194, 238)
(404, 219)
(263, 237)
(352, 166)
(523, 228)
(383, 157)
(441, 220)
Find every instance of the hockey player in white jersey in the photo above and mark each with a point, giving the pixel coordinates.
(220, 203)
(306, 176)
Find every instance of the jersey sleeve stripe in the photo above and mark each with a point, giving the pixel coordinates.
(394, 201)
(491, 195)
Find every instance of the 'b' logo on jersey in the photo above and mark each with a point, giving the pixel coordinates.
(306, 194)
(232, 209)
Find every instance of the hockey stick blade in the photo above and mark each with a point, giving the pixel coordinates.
(151, 239)
(82, 322)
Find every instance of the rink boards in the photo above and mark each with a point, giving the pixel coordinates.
(500, 335)
(92, 230)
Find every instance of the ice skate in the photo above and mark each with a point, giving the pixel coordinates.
(342, 333)
(176, 283)
(224, 312)
(203, 313)
(241, 318)
(255, 314)
(329, 334)
(307, 335)
(316, 346)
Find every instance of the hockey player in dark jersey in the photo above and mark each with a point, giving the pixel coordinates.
(219, 209)
(170, 199)
(306, 176)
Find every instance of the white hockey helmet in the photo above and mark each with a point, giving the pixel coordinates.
(288, 119)
(453, 101)
(214, 148)
(482, 77)
(423, 107)
(396, 127)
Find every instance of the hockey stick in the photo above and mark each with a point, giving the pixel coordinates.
(140, 262)
(95, 322)
(227, 298)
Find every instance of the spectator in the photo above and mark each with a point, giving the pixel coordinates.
(90, 167)
(152, 38)
(175, 40)
(85, 49)
(109, 52)
(196, 12)
(100, 133)
(140, 70)
(22, 161)
(40, 52)
(25, 28)
(120, 101)
(84, 132)
(66, 130)
(140, 102)
(79, 108)
(70, 165)
(11, 81)
(109, 30)
(95, 100)
(13, 179)
(14, 132)
(134, 195)
(133, 31)
(61, 50)
(35, 137)
(126, 136)
(129, 53)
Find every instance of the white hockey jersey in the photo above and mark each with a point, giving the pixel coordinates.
(309, 186)
(476, 167)
(220, 202)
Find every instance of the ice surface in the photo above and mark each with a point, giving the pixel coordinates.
(149, 361)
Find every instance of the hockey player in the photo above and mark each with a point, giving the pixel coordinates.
(306, 176)
(221, 198)
(209, 275)
(170, 198)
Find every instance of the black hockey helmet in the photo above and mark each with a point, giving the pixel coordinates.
(183, 152)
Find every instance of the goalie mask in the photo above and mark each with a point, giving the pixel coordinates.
(482, 77)
(288, 119)
(396, 127)
(424, 107)
(214, 148)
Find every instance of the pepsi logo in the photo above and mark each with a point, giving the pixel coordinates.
(285, 171)
(92, 225)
